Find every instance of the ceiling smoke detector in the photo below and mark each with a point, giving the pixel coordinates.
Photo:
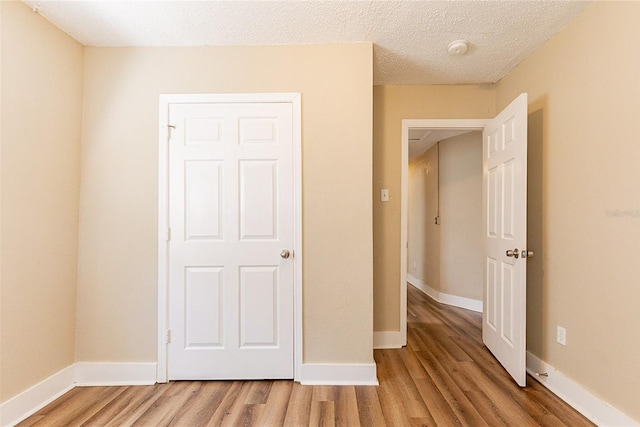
(458, 47)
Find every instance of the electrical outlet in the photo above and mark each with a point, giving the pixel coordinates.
(561, 335)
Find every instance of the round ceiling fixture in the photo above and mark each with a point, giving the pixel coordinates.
(458, 47)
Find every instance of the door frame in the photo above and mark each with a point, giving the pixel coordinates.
(436, 124)
(163, 211)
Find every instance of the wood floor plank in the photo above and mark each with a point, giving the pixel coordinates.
(455, 397)
(202, 406)
(442, 412)
(404, 386)
(70, 403)
(299, 406)
(259, 392)
(165, 408)
(553, 405)
(249, 415)
(390, 400)
(346, 407)
(130, 399)
(488, 410)
(275, 409)
(322, 414)
(127, 417)
(232, 405)
(324, 393)
(369, 409)
(75, 413)
(444, 377)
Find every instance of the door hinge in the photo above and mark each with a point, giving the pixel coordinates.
(168, 336)
(170, 128)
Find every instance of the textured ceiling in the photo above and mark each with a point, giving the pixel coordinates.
(410, 37)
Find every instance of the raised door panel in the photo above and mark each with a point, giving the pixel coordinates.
(204, 199)
(204, 319)
(258, 130)
(259, 306)
(258, 199)
(200, 131)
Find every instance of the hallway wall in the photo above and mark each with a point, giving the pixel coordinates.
(461, 243)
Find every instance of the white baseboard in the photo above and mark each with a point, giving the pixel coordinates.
(107, 374)
(595, 409)
(454, 300)
(36, 397)
(338, 374)
(420, 285)
(462, 302)
(387, 339)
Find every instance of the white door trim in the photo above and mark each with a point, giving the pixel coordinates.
(163, 210)
(441, 124)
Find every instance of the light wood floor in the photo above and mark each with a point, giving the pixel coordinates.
(444, 377)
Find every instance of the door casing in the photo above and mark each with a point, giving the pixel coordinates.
(163, 210)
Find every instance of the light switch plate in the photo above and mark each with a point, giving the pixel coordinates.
(384, 195)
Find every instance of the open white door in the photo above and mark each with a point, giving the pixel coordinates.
(504, 190)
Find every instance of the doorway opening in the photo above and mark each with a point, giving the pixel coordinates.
(445, 246)
(430, 132)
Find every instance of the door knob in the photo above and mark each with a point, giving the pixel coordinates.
(526, 254)
(513, 253)
(285, 253)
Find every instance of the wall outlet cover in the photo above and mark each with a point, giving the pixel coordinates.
(561, 335)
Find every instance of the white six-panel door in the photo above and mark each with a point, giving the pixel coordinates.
(505, 234)
(230, 299)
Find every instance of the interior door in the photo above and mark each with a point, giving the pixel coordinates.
(231, 304)
(505, 233)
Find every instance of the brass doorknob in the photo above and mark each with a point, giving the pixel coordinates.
(513, 253)
(285, 253)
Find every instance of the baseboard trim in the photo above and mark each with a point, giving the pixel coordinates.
(109, 374)
(36, 397)
(387, 339)
(441, 297)
(338, 374)
(595, 409)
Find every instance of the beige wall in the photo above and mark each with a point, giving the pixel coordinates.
(41, 116)
(584, 100)
(423, 235)
(392, 104)
(117, 288)
(461, 245)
